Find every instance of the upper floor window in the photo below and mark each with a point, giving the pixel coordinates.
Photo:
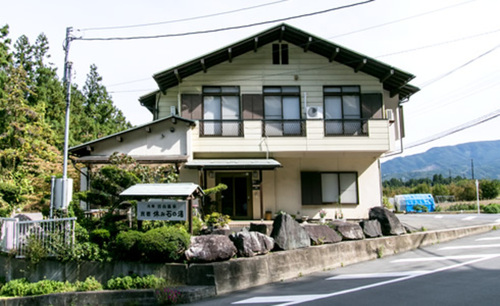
(282, 111)
(342, 110)
(221, 111)
(280, 54)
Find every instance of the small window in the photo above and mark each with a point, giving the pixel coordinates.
(280, 54)
(329, 187)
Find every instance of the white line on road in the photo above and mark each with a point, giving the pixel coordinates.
(488, 238)
(438, 217)
(437, 258)
(469, 218)
(463, 247)
(375, 275)
(297, 299)
(497, 221)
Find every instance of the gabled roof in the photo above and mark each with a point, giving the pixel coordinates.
(394, 80)
(81, 149)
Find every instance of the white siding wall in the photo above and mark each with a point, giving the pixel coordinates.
(253, 70)
(282, 189)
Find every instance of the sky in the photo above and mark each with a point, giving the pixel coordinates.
(451, 46)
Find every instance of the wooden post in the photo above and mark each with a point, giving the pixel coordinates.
(190, 214)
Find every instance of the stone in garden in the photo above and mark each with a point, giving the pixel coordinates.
(349, 231)
(258, 227)
(250, 244)
(371, 228)
(210, 248)
(389, 223)
(288, 234)
(322, 234)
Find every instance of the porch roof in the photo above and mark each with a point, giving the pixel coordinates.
(233, 164)
(164, 190)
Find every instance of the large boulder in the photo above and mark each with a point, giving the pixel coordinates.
(321, 234)
(349, 231)
(371, 228)
(288, 234)
(388, 221)
(250, 244)
(210, 248)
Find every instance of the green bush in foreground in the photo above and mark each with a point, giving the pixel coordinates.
(127, 245)
(21, 287)
(164, 244)
(492, 208)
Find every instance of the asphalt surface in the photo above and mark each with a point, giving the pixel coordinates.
(460, 272)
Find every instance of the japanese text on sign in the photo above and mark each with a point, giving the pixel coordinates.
(163, 210)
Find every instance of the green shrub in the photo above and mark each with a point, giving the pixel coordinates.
(127, 245)
(135, 282)
(100, 236)
(492, 208)
(35, 251)
(462, 206)
(49, 286)
(164, 244)
(90, 284)
(16, 287)
(216, 219)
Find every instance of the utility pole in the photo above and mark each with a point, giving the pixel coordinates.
(472, 167)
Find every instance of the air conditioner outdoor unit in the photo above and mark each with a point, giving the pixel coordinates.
(314, 112)
(389, 114)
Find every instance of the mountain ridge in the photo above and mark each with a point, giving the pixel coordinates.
(448, 161)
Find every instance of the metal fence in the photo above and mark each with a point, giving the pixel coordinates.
(16, 234)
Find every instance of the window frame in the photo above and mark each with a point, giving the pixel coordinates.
(283, 92)
(218, 91)
(312, 181)
(341, 94)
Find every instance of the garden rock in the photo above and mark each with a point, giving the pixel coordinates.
(371, 228)
(389, 223)
(256, 227)
(349, 231)
(322, 234)
(288, 234)
(210, 248)
(250, 244)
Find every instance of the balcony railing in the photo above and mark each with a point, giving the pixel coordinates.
(291, 127)
(226, 128)
(346, 127)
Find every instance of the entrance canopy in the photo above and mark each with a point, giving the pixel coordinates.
(164, 190)
(233, 164)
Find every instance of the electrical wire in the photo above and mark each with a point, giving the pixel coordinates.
(226, 28)
(402, 19)
(438, 78)
(182, 19)
(456, 129)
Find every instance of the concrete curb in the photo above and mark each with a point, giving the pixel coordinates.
(244, 273)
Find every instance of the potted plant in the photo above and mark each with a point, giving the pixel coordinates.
(322, 215)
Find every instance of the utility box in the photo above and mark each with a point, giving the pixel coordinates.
(415, 202)
(62, 193)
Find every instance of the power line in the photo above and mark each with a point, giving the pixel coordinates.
(402, 19)
(456, 129)
(182, 19)
(224, 29)
(432, 81)
(440, 43)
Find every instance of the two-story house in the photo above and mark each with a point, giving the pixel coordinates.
(288, 121)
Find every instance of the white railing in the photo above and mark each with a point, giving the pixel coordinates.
(16, 234)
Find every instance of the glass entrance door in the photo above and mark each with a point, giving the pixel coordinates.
(236, 200)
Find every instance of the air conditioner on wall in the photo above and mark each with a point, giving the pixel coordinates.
(389, 114)
(314, 112)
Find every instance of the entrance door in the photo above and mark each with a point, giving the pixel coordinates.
(236, 200)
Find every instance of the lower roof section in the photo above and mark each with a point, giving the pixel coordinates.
(163, 190)
(233, 164)
(143, 159)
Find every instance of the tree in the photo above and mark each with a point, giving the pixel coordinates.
(98, 115)
(489, 189)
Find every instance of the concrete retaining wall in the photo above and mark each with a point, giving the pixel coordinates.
(242, 273)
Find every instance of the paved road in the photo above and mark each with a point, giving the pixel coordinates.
(442, 221)
(462, 272)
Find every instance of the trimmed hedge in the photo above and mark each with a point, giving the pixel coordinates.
(164, 244)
